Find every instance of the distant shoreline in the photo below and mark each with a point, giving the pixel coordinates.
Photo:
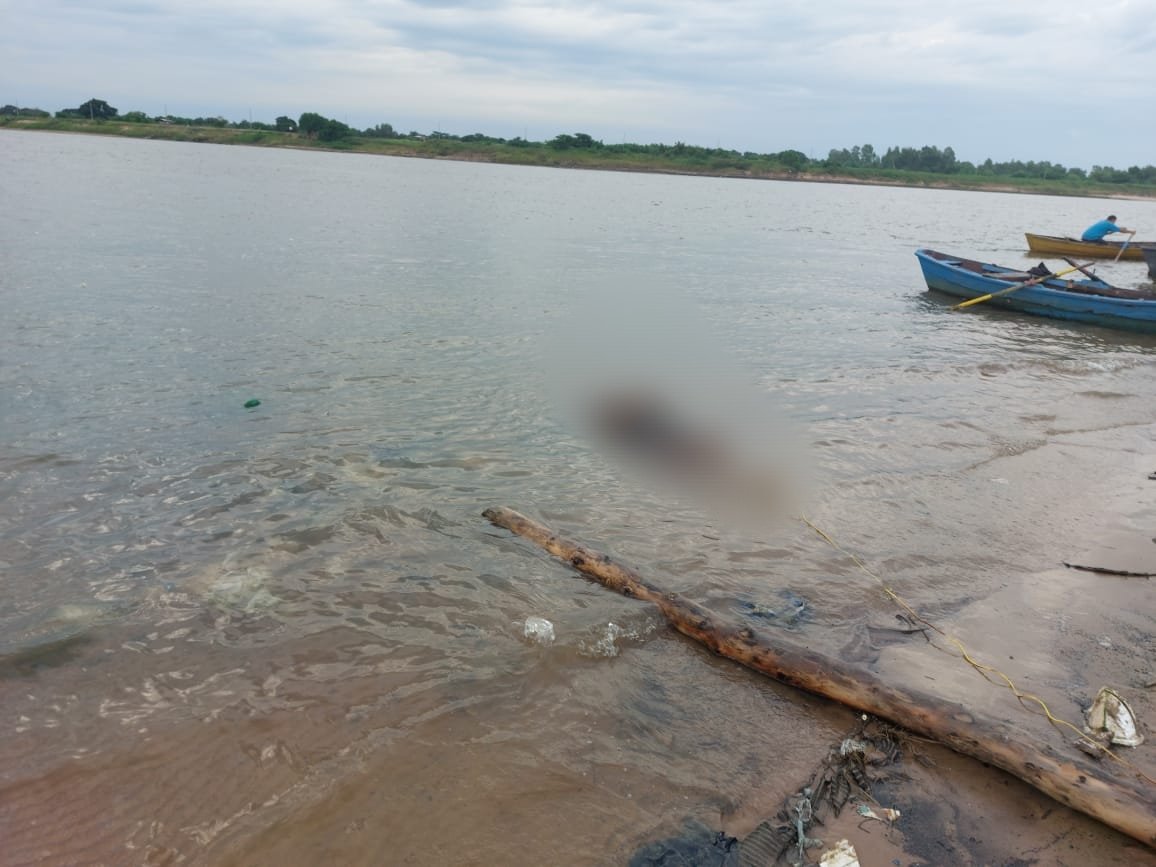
(457, 151)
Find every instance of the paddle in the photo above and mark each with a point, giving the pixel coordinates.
(1023, 285)
(1090, 274)
(1131, 235)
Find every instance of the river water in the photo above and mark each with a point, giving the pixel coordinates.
(285, 633)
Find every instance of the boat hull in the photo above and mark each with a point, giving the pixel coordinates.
(1131, 311)
(1052, 245)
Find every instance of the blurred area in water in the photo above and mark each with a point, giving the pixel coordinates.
(638, 373)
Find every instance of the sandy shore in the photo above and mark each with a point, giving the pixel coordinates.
(1060, 634)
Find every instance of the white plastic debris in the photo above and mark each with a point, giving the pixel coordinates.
(539, 630)
(1110, 715)
(843, 855)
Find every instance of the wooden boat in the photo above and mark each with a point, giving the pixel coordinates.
(1149, 254)
(1053, 245)
(1084, 300)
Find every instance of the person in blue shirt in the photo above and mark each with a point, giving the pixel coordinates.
(1097, 231)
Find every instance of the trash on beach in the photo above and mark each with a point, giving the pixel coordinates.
(252, 402)
(843, 855)
(1111, 719)
(793, 611)
(884, 814)
(539, 630)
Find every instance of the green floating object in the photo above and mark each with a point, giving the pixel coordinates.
(252, 402)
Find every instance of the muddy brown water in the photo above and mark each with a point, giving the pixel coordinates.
(285, 635)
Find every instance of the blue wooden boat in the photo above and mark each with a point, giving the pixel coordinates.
(1087, 299)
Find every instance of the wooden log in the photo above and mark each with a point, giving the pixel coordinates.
(1128, 805)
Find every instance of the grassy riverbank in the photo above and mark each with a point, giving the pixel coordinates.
(695, 162)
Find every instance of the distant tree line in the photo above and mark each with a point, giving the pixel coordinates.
(14, 111)
(861, 159)
(932, 159)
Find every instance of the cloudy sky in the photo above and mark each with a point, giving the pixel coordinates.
(1057, 80)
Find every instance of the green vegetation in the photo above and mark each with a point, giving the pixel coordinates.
(900, 166)
(94, 109)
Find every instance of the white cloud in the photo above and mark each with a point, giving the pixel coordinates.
(1058, 81)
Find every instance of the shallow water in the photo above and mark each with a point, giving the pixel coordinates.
(307, 639)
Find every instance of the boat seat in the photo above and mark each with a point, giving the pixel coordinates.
(1007, 274)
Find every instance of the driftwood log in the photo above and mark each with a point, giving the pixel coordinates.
(1128, 805)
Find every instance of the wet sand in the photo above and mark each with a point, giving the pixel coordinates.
(243, 756)
(1059, 634)
(305, 764)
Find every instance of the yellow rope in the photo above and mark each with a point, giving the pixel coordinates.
(984, 670)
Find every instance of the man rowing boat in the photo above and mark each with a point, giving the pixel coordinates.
(1098, 231)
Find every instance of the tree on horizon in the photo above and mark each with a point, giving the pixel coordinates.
(96, 109)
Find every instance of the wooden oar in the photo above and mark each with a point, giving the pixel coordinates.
(1023, 285)
(1131, 235)
(1085, 271)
